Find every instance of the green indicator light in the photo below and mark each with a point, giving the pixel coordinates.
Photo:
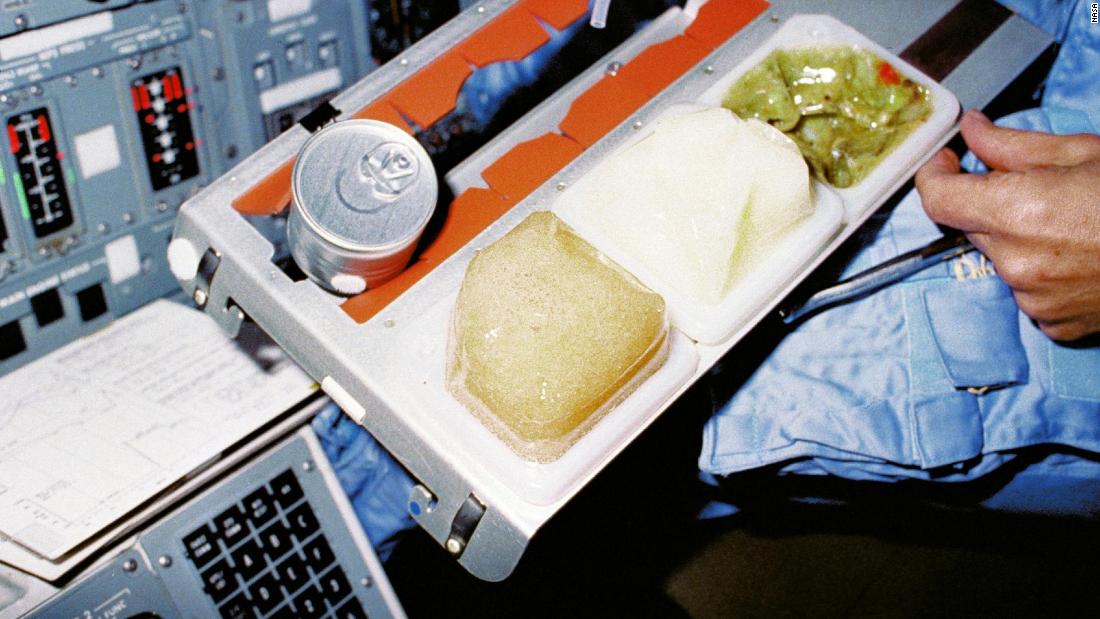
(22, 196)
(70, 176)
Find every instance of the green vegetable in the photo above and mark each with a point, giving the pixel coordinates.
(845, 107)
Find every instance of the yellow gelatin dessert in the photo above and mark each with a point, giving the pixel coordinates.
(548, 334)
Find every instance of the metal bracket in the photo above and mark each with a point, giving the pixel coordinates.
(462, 527)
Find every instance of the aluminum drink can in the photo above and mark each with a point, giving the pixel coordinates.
(363, 192)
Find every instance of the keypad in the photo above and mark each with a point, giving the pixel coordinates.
(268, 556)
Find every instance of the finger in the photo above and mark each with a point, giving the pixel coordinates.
(1016, 150)
(954, 199)
(1067, 331)
(984, 243)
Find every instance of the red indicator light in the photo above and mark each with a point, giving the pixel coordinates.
(177, 87)
(43, 129)
(13, 139)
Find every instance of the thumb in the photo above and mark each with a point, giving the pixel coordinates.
(1014, 150)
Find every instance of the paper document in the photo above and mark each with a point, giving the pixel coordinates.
(95, 429)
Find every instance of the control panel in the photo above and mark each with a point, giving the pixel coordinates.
(278, 538)
(114, 112)
(270, 62)
(161, 103)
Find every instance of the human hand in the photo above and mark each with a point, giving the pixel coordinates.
(1036, 215)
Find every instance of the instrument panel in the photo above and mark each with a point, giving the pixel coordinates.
(114, 113)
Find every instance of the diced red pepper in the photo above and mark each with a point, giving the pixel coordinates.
(887, 74)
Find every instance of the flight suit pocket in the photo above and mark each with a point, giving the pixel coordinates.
(976, 326)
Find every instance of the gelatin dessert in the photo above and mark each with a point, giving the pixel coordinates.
(845, 107)
(548, 334)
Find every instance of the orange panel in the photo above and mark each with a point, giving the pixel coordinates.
(470, 213)
(718, 20)
(558, 13)
(269, 196)
(599, 109)
(530, 164)
(662, 63)
(431, 93)
(511, 36)
(383, 111)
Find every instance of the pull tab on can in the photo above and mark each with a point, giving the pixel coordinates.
(363, 192)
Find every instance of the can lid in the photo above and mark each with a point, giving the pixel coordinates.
(364, 185)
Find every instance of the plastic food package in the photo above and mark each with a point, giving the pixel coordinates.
(845, 107)
(548, 335)
(699, 200)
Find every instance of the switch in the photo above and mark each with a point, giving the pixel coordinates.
(264, 75)
(327, 55)
(294, 54)
(11, 340)
(92, 302)
(47, 307)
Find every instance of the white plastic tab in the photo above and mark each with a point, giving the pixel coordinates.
(348, 284)
(343, 399)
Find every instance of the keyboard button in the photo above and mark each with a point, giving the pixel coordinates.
(248, 559)
(286, 488)
(351, 609)
(275, 540)
(266, 594)
(238, 607)
(318, 554)
(219, 581)
(286, 612)
(230, 526)
(200, 546)
(302, 521)
(292, 573)
(259, 508)
(335, 585)
(310, 603)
